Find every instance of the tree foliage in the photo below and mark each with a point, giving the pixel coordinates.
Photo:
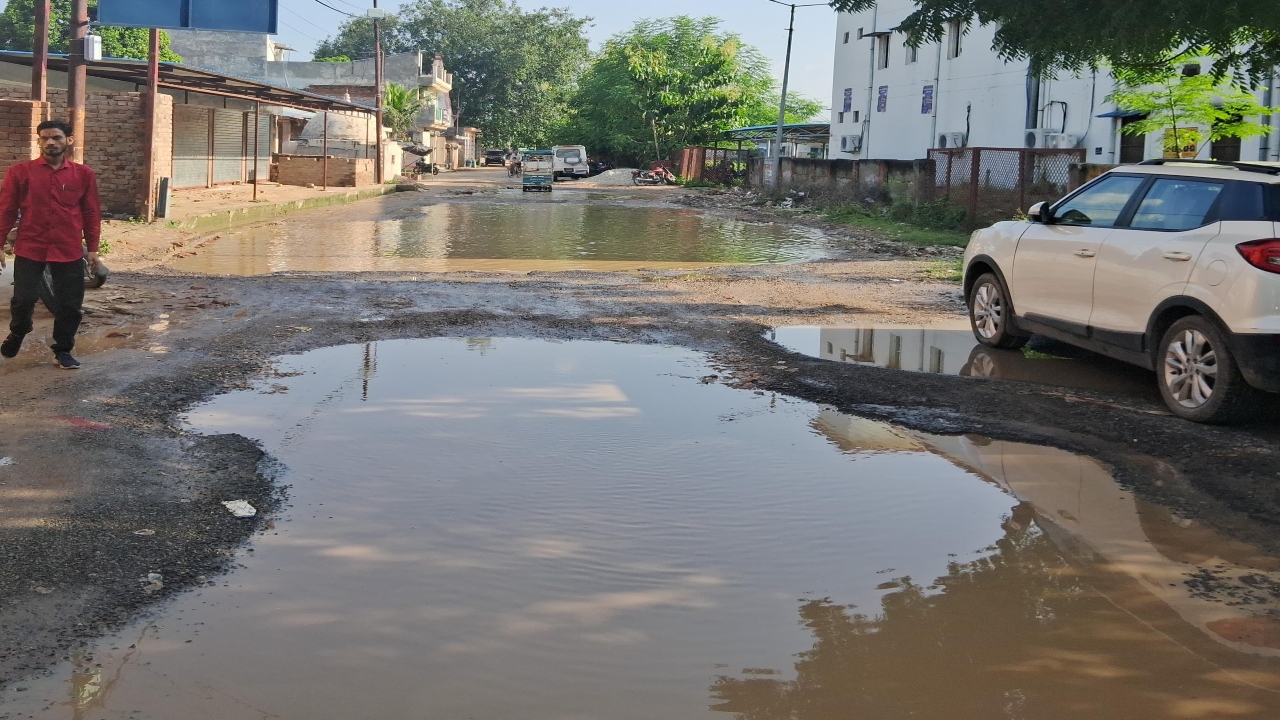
(1138, 35)
(18, 28)
(401, 106)
(666, 84)
(1180, 105)
(514, 70)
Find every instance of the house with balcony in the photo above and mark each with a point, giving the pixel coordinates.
(892, 101)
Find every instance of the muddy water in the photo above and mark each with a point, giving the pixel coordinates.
(505, 236)
(503, 528)
(950, 349)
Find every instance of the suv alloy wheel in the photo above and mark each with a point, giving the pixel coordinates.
(989, 313)
(1198, 375)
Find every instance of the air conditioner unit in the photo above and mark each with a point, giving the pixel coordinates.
(1036, 138)
(956, 140)
(850, 143)
(1061, 141)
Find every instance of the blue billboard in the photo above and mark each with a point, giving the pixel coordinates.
(257, 16)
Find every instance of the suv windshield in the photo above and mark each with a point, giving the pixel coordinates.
(569, 154)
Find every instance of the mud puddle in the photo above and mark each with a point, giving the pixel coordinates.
(950, 349)
(506, 236)
(502, 528)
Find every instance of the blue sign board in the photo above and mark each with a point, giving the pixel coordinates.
(848, 99)
(926, 102)
(882, 100)
(256, 16)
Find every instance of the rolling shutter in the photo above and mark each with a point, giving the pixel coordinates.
(228, 146)
(190, 146)
(265, 124)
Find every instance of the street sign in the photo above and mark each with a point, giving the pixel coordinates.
(255, 16)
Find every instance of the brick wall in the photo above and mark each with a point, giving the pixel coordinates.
(114, 142)
(18, 121)
(309, 170)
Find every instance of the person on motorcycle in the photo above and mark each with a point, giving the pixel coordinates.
(60, 209)
(516, 167)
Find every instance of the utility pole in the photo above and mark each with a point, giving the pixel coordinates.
(77, 76)
(152, 120)
(776, 175)
(377, 81)
(776, 161)
(40, 53)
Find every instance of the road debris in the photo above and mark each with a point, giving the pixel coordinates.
(240, 508)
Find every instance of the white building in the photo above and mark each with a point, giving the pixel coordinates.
(890, 101)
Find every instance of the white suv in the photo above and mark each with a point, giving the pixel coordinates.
(1173, 265)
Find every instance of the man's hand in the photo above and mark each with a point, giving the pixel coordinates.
(5, 249)
(92, 259)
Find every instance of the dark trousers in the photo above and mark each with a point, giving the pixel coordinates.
(68, 291)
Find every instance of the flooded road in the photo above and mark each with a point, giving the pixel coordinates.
(950, 349)
(505, 235)
(502, 528)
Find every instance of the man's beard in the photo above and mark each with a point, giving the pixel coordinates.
(55, 153)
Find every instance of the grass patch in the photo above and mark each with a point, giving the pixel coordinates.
(687, 277)
(1037, 355)
(946, 270)
(104, 247)
(935, 223)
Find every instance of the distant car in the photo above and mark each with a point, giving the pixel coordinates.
(495, 157)
(1172, 265)
(598, 167)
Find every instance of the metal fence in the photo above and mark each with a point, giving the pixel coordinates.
(995, 184)
(717, 165)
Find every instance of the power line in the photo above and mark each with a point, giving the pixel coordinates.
(343, 12)
(298, 31)
(303, 18)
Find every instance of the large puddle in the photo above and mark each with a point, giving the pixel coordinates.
(950, 349)
(504, 236)
(508, 528)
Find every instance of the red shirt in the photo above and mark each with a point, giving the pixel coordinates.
(59, 209)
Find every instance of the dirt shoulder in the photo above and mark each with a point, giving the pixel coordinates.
(106, 486)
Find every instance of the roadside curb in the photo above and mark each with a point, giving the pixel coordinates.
(225, 219)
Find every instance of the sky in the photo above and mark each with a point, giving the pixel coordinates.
(760, 23)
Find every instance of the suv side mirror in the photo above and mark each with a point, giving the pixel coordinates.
(1040, 213)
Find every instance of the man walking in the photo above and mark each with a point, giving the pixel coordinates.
(58, 202)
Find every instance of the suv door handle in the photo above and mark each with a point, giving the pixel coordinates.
(1087, 253)
(1177, 256)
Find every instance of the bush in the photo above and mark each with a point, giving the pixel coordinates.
(939, 215)
(902, 211)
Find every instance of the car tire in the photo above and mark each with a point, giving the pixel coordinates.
(1198, 376)
(990, 313)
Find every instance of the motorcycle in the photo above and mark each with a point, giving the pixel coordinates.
(657, 176)
(422, 167)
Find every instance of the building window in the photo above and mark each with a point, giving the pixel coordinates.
(840, 118)
(912, 53)
(860, 33)
(955, 37)
(846, 38)
(857, 117)
(882, 52)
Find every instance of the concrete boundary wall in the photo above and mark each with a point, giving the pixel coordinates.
(897, 179)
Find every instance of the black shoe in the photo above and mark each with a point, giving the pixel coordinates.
(9, 348)
(65, 361)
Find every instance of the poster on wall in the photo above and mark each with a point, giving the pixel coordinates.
(882, 101)
(848, 100)
(926, 101)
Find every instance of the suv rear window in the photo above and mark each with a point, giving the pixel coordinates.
(1176, 204)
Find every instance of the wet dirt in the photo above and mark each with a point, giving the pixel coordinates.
(950, 349)
(506, 234)
(501, 527)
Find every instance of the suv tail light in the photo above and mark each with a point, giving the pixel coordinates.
(1262, 254)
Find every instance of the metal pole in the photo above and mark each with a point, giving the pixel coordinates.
(77, 76)
(152, 106)
(324, 162)
(782, 106)
(40, 54)
(257, 123)
(377, 80)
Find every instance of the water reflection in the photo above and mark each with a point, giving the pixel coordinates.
(506, 235)
(1092, 604)
(950, 349)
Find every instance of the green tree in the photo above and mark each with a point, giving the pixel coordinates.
(667, 84)
(1183, 106)
(799, 109)
(1132, 34)
(513, 71)
(334, 58)
(401, 106)
(18, 28)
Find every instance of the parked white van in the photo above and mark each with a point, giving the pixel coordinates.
(571, 161)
